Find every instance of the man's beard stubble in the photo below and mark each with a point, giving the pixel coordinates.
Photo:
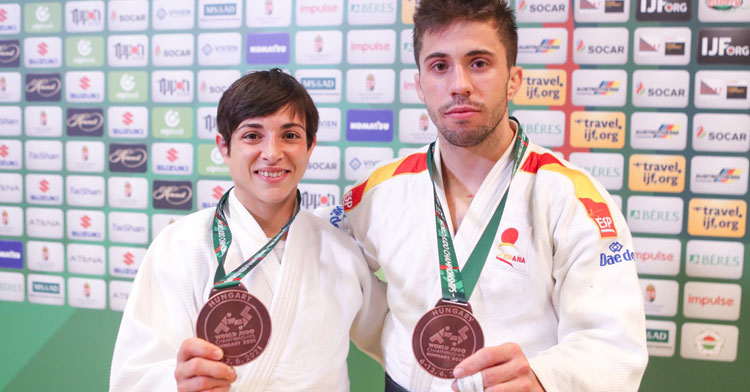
(473, 136)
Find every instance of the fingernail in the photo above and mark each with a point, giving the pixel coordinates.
(217, 354)
(458, 372)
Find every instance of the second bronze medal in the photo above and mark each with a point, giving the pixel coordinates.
(445, 336)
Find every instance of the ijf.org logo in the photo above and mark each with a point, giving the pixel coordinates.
(128, 158)
(43, 87)
(85, 122)
(10, 53)
(172, 195)
(724, 46)
(663, 10)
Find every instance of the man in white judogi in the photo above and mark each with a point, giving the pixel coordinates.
(558, 296)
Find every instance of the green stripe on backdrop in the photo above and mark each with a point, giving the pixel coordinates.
(52, 348)
(69, 349)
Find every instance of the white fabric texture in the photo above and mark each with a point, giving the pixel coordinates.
(319, 294)
(582, 325)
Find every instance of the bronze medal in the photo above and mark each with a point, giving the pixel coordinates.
(445, 336)
(237, 322)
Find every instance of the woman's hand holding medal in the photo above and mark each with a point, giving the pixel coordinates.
(199, 367)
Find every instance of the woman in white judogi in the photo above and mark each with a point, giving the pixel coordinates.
(314, 282)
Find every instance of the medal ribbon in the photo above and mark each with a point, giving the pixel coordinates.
(222, 237)
(458, 285)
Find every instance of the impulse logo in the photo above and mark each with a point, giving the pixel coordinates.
(10, 53)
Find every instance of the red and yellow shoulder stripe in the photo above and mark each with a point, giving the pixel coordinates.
(586, 192)
(414, 163)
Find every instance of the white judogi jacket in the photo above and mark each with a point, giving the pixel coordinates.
(578, 319)
(318, 294)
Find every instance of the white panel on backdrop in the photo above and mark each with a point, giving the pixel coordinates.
(84, 191)
(661, 45)
(45, 256)
(658, 130)
(127, 192)
(86, 259)
(599, 87)
(127, 50)
(324, 164)
(360, 160)
(46, 189)
(43, 52)
(319, 195)
(127, 15)
(320, 12)
(127, 121)
(219, 48)
(43, 155)
(172, 49)
(43, 222)
(548, 45)
(366, 12)
(323, 85)
(607, 168)
(85, 156)
(84, 16)
(10, 120)
(371, 47)
(542, 11)
(722, 89)
(662, 88)
(544, 127)
(219, 14)
(329, 125)
(43, 121)
(269, 13)
(318, 47)
(11, 188)
(173, 14)
(600, 45)
(13, 222)
(415, 127)
(600, 11)
(10, 87)
(370, 85)
(721, 132)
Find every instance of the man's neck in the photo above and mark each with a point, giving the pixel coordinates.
(465, 168)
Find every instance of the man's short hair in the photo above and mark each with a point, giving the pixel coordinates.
(261, 94)
(435, 15)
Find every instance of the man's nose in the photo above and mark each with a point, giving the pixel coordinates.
(461, 83)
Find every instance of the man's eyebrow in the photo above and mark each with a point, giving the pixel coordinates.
(475, 52)
(251, 125)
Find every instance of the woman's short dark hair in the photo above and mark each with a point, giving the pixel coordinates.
(261, 94)
(435, 15)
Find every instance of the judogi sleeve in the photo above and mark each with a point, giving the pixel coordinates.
(601, 332)
(160, 313)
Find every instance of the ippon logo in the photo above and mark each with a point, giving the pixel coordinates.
(172, 155)
(174, 87)
(85, 221)
(130, 51)
(84, 17)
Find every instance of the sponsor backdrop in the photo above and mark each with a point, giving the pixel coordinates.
(107, 121)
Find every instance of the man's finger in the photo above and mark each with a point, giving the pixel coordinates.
(195, 347)
(202, 367)
(203, 384)
(485, 358)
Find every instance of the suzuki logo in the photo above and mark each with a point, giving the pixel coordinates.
(84, 83)
(3, 151)
(44, 185)
(3, 15)
(127, 258)
(86, 222)
(127, 118)
(42, 48)
(172, 155)
(218, 192)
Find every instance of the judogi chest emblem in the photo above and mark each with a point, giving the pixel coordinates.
(508, 255)
(237, 322)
